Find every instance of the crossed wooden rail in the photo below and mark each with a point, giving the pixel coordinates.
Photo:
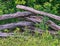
(31, 20)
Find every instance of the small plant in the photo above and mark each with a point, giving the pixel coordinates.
(6, 30)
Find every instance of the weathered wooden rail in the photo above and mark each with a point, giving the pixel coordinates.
(30, 18)
(15, 15)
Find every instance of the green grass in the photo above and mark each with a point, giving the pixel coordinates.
(27, 39)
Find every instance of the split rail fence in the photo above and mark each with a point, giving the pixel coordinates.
(31, 19)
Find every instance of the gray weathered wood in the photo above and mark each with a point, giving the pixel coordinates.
(14, 15)
(29, 29)
(6, 34)
(13, 25)
(53, 25)
(50, 23)
(34, 29)
(38, 12)
(35, 19)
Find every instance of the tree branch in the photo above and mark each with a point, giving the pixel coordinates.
(6, 34)
(38, 12)
(50, 23)
(34, 29)
(53, 25)
(35, 19)
(14, 15)
(13, 25)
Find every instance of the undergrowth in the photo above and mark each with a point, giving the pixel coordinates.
(27, 38)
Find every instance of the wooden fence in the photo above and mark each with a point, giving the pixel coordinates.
(30, 20)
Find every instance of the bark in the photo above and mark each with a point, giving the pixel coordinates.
(29, 29)
(13, 25)
(53, 25)
(6, 34)
(34, 29)
(14, 15)
(35, 19)
(50, 23)
(38, 12)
